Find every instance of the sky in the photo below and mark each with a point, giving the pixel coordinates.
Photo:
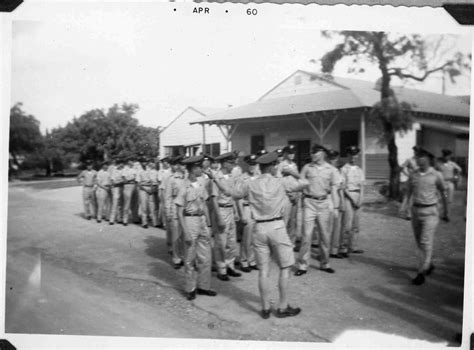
(165, 63)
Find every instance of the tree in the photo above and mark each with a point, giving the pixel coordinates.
(405, 56)
(25, 135)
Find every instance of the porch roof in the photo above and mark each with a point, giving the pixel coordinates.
(352, 94)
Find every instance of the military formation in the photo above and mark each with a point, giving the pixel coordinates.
(221, 217)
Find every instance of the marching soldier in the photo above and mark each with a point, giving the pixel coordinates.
(194, 221)
(425, 185)
(173, 229)
(103, 192)
(129, 174)
(88, 179)
(451, 172)
(266, 196)
(337, 208)
(322, 183)
(164, 174)
(353, 179)
(247, 253)
(224, 207)
(147, 180)
(117, 192)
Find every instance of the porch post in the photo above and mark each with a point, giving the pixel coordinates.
(362, 141)
(203, 137)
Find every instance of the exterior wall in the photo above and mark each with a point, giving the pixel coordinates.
(435, 140)
(180, 132)
(406, 142)
(300, 84)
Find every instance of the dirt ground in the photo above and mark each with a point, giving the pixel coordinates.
(68, 275)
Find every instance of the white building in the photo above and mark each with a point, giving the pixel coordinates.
(180, 137)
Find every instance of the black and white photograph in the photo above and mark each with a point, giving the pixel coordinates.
(223, 172)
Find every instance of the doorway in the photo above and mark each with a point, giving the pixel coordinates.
(302, 152)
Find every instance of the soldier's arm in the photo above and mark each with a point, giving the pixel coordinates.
(80, 177)
(361, 197)
(167, 197)
(444, 196)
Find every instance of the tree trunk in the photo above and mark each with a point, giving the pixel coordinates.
(394, 179)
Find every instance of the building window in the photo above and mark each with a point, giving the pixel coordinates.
(419, 137)
(348, 138)
(212, 149)
(257, 143)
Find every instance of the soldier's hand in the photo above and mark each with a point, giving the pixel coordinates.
(208, 173)
(221, 225)
(243, 221)
(445, 218)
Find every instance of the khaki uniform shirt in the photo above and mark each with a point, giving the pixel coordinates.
(228, 180)
(425, 186)
(116, 176)
(103, 179)
(192, 196)
(171, 191)
(266, 194)
(448, 170)
(321, 179)
(163, 176)
(353, 177)
(129, 174)
(88, 177)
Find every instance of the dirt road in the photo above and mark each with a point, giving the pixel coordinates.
(68, 275)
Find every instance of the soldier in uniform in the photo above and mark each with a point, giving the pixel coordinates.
(424, 187)
(322, 183)
(353, 179)
(294, 198)
(451, 172)
(163, 175)
(103, 192)
(224, 208)
(129, 174)
(408, 167)
(266, 196)
(194, 220)
(173, 230)
(247, 253)
(147, 180)
(117, 191)
(337, 208)
(88, 179)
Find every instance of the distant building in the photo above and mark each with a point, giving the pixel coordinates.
(180, 137)
(308, 108)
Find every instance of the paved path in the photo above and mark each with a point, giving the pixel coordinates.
(68, 275)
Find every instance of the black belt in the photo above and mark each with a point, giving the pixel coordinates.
(315, 197)
(187, 214)
(226, 205)
(354, 190)
(117, 185)
(269, 220)
(419, 205)
(88, 185)
(246, 204)
(130, 183)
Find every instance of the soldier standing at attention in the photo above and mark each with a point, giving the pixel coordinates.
(194, 221)
(424, 187)
(117, 191)
(103, 192)
(226, 240)
(317, 210)
(173, 229)
(147, 180)
(353, 179)
(337, 208)
(266, 195)
(247, 252)
(451, 172)
(294, 198)
(163, 175)
(88, 179)
(129, 174)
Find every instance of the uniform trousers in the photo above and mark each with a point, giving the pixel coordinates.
(247, 252)
(88, 199)
(316, 212)
(147, 205)
(449, 186)
(424, 222)
(197, 258)
(335, 228)
(290, 215)
(174, 238)
(128, 190)
(116, 205)
(102, 195)
(226, 241)
(350, 230)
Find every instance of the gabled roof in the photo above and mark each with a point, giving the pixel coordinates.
(204, 111)
(352, 93)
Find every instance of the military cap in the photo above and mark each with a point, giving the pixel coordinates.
(332, 154)
(165, 159)
(105, 162)
(317, 148)
(251, 159)
(424, 153)
(207, 157)
(352, 150)
(176, 160)
(88, 162)
(262, 152)
(194, 160)
(279, 152)
(289, 149)
(267, 158)
(229, 156)
(446, 152)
